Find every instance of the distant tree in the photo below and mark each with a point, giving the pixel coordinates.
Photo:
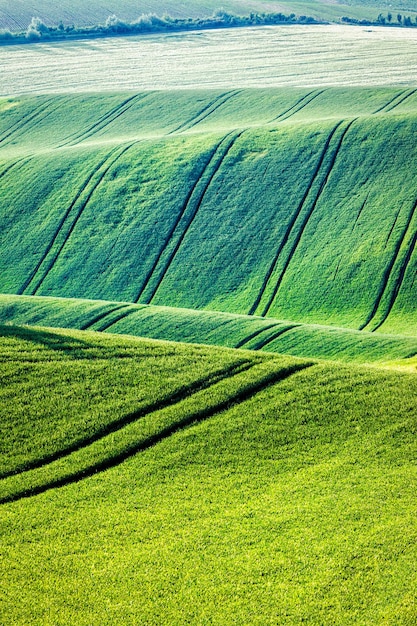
(37, 29)
(389, 17)
(399, 18)
(407, 21)
(381, 19)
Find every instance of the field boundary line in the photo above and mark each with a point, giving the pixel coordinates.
(246, 393)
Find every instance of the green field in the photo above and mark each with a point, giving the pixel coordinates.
(202, 485)
(208, 330)
(254, 202)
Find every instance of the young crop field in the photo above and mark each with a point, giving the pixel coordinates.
(150, 482)
(208, 328)
(231, 58)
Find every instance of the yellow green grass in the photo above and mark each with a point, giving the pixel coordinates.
(291, 499)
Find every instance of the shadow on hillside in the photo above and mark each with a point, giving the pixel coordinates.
(54, 341)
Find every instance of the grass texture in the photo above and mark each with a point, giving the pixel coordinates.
(288, 204)
(209, 327)
(263, 490)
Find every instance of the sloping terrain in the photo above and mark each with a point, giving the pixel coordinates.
(238, 488)
(288, 204)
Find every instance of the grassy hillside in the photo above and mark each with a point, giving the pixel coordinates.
(17, 14)
(233, 489)
(288, 204)
(209, 327)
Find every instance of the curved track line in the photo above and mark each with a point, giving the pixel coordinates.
(246, 393)
(217, 158)
(107, 325)
(101, 316)
(174, 398)
(261, 344)
(408, 95)
(385, 106)
(249, 338)
(108, 164)
(21, 123)
(14, 164)
(307, 217)
(388, 273)
(177, 221)
(291, 224)
(360, 211)
(107, 119)
(206, 111)
(298, 106)
(81, 189)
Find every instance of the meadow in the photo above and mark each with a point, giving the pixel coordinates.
(208, 336)
(151, 482)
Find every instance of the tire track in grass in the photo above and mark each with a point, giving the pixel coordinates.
(253, 335)
(177, 396)
(11, 166)
(261, 344)
(408, 95)
(206, 111)
(243, 393)
(191, 206)
(119, 317)
(100, 172)
(102, 122)
(297, 106)
(102, 315)
(308, 214)
(21, 123)
(384, 108)
(293, 220)
(396, 265)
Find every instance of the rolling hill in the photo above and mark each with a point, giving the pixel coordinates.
(263, 203)
(152, 482)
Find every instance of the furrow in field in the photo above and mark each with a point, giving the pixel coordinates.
(120, 316)
(400, 101)
(260, 345)
(11, 166)
(360, 211)
(187, 215)
(205, 111)
(293, 221)
(298, 106)
(168, 401)
(393, 101)
(102, 315)
(389, 272)
(61, 223)
(101, 172)
(307, 217)
(200, 406)
(23, 122)
(252, 336)
(103, 122)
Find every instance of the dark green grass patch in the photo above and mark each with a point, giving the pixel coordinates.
(295, 505)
